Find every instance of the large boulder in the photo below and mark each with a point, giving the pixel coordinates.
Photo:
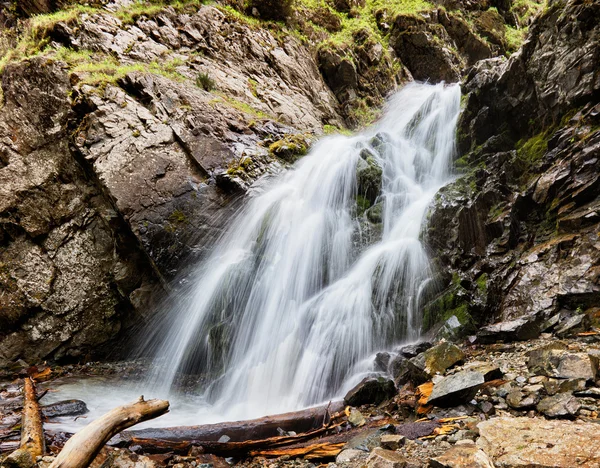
(456, 389)
(371, 390)
(554, 360)
(556, 444)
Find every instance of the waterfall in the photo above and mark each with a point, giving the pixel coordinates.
(293, 297)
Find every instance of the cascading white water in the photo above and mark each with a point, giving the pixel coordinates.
(292, 301)
(286, 304)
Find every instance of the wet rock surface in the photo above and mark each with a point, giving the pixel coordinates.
(111, 182)
(515, 237)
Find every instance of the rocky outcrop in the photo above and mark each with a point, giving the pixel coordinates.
(122, 155)
(518, 230)
(70, 270)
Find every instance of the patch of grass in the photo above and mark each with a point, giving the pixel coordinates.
(363, 115)
(333, 130)
(253, 85)
(482, 282)
(241, 106)
(204, 81)
(533, 149)
(514, 38)
(130, 13)
(110, 70)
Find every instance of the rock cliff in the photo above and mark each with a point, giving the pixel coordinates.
(517, 234)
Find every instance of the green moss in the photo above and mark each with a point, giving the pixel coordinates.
(178, 217)
(482, 282)
(363, 115)
(362, 205)
(531, 150)
(291, 147)
(239, 168)
(239, 105)
(450, 303)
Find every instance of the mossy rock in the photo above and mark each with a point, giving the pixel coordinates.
(375, 213)
(291, 147)
(369, 179)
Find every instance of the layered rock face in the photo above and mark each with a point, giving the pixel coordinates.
(518, 234)
(114, 175)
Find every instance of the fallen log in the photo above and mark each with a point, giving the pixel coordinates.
(81, 449)
(311, 452)
(227, 449)
(240, 431)
(32, 431)
(301, 442)
(9, 446)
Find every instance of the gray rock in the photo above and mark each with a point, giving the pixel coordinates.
(555, 361)
(520, 400)
(554, 386)
(412, 350)
(563, 405)
(371, 390)
(64, 408)
(392, 441)
(575, 324)
(455, 389)
(525, 328)
(381, 458)
(556, 444)
(349, 455)
(462, 456)
(593, 392)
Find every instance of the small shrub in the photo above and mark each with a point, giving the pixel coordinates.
(204, 81)
(277, 10)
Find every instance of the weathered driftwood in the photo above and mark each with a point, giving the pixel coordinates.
(227, 449)
(310, 452)
(80, 450)
(318, 443)
(32, 430)
(241, 431)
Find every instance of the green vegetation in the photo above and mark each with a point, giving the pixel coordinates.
(277, 10)
(240, 167)
(291, 147)
(239, 105)
(332, 130)
(531, 150)
(253, 85)
(362, 205)
(204, 81)
(362, 114)
(514, 37)
(451, 302)
(33, 35)
(482, 282)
